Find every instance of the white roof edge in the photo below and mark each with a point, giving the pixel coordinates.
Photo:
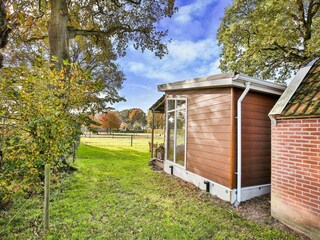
(193, 83)
(262, 82)
(291, 89)
(225, 80)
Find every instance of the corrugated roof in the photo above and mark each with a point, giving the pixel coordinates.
(306, 99)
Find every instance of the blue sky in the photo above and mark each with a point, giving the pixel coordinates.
(193, 52)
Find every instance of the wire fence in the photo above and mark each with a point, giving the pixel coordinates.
(26, 209)
(18, 212)
(29, 213)
(121, 135)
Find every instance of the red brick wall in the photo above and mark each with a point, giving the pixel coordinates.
(295, 178)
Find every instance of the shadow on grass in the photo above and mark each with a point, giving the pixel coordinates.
(115, 195)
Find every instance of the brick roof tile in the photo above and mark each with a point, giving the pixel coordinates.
(306, 99)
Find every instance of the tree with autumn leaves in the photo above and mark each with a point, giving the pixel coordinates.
(137, 119)
(133, 119)
(43, 111)
(60, 69)
(129, 119)
(109, 121)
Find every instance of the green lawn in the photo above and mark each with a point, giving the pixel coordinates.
(115, 195)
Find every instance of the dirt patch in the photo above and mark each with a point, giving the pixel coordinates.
(156, 165)
(258, 210)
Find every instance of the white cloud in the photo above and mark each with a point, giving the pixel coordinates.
(139, 86)
(188, 51)
(192, 53)
(214, 68)
(185, 59)
(136, 67)
(186, 13)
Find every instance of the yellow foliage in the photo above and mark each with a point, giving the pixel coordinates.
(43, 109)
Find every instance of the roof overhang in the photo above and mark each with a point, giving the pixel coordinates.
(159, 105)
(289, 92)
(225, 80)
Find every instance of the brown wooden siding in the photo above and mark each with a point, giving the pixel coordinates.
(233, 141)
(256, 138)
(209, 133)
(212, 135)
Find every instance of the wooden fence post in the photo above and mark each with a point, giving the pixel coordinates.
(46, 197)
(131, 139)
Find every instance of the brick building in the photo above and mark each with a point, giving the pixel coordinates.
(295, 178)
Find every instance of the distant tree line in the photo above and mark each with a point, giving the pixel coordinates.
(133, 119)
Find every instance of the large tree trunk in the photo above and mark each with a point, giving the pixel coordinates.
(58, 31)
(4, 30)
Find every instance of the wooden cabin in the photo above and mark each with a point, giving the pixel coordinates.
(295, 192)
(202, 139)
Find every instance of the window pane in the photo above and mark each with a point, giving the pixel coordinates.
(170, 137)
(180, 140)
(171, 105)
(181, 104)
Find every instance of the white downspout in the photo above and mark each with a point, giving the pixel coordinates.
(239, 143)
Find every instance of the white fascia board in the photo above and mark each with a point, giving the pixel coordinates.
(218, 80)
(224, 80)
(292, 88)
(259, 85)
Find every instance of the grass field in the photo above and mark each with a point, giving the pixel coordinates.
(138, 144)
(115, 195)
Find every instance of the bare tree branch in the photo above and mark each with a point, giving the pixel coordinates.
(36, 38)
(290, 51)
(112, 30)
(134, 2)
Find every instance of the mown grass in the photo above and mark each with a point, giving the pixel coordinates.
(115, 195)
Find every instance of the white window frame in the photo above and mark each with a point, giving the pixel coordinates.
(175, 110)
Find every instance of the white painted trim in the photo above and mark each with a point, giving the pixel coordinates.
(192, 85)
(240, 83)
(225, 80)
(273, 120)
(185, 134)
(216, 189)
(176, 85)
(166, 130)
(174, 132)
(258, 82)
(175, 110)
